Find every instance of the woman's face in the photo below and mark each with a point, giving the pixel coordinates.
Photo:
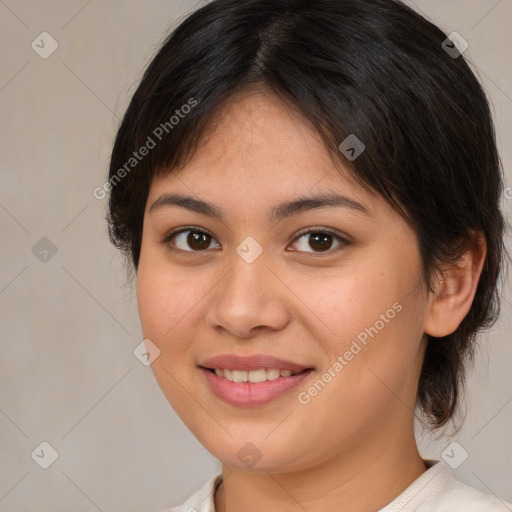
(348, 306)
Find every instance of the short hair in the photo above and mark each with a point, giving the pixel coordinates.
(375, 69)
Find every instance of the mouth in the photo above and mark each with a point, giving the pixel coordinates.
(252, 380)
(253, 388)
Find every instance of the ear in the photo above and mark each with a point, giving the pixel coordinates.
(455, 288)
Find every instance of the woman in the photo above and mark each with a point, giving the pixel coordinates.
(309, 194)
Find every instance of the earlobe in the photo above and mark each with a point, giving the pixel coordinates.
(455, 289)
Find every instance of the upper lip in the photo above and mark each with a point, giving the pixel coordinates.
(254, 362)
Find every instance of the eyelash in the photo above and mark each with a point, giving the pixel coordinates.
(315, 229)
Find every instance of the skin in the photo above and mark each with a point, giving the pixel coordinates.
(298, 303)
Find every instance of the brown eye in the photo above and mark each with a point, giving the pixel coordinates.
(190, 240)
(319, 240)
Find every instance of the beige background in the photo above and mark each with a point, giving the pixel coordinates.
(69, 326)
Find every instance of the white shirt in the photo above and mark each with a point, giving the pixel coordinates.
(435, 490)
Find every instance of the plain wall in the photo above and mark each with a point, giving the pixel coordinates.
(69, 325)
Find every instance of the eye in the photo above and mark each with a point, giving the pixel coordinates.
(196, 239)
(320, 239)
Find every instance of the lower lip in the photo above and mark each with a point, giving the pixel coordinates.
(248, 393)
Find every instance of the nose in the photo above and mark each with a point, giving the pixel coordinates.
(248, 300)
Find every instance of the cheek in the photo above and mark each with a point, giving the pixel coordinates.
(346, 301)
(166, 300)
(376, 374)
(371, 314)
(166, 309)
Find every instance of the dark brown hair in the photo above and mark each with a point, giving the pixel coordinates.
(373, 68)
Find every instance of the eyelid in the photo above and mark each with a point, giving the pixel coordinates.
(321, 229)
(175, 231)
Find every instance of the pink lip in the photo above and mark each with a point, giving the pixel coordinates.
(255, 362)
(248, 393)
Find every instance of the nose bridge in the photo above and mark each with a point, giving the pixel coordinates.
(245, 283)
(247, 297)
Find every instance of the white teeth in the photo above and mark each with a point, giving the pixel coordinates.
(257, 375)
(253, 376)
(273, 373)
(239, 375)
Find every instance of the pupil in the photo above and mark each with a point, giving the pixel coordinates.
(194, 240)
(320, 238)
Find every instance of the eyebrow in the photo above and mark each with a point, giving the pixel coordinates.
(277, 213)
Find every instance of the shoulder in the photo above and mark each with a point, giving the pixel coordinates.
(202, 500)
(468, 498)
(436, 489)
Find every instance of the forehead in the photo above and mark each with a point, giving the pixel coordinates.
(259, 148)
